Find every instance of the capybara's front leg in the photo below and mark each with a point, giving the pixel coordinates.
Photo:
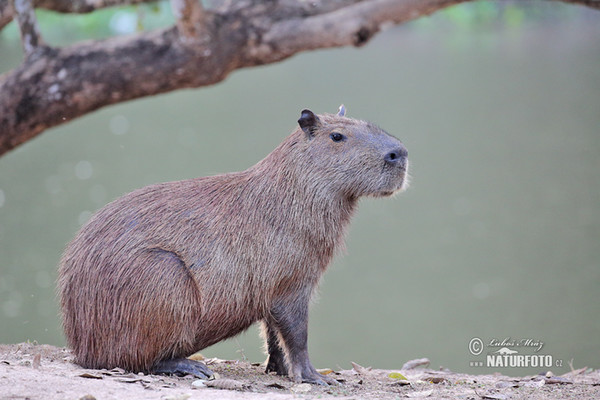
(290, 318)
(182, 367)
(276, 361)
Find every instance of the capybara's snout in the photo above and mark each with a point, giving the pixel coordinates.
(398, 157)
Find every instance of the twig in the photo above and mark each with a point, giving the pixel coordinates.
(412, 364)
(30, 34)
(241, 350)
(190, 18)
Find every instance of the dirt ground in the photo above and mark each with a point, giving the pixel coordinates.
(32, 371)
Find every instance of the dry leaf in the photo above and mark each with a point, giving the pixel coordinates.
(360, 369)
(535, 384)
(197, 357)
(424, 393)
(227, 384)
(494, 396)
(435, 379)
(505, 384)
(114, 371)
(412, 364)
(557, 379)
(91, 375)
(400, 382)
(37, 361)
(325, 371)
(182, 396)
(132, 379)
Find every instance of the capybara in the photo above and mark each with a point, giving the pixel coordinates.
(172, 268)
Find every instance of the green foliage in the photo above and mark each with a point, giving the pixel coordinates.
(511, 14)
(63, 29)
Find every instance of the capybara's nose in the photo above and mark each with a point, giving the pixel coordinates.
(397, 157)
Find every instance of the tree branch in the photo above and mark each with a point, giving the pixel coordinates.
(7, 11)
(30, 34)
(354, 25)
(62, 84)
(190, 18)
(588, 3)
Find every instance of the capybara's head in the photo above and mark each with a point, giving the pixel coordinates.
(352, 157)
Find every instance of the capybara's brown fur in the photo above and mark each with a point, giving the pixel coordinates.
(172, 268)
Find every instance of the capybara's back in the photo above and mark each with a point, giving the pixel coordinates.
(172, 268)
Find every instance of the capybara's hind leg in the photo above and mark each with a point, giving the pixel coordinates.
(182, 367)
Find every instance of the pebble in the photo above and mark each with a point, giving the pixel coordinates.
(199, 383)
(301, 388)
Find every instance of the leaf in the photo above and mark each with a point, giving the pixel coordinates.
(416, 363)
(227, 384)
(436, 379)
(557, 379)
(114, 371)
(535, 384)
(37, 361)
(360, 369)
(397, 375)
(505, 384)
(182, 396)
(424, 393)
(494, 396)
(196, 357)
(325, 371)
(132, 379)
(90, 375)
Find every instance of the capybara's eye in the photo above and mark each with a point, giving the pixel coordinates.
(337, 137)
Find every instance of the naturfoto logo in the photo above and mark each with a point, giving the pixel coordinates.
(506, 353)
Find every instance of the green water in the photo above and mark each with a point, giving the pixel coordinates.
(498, 235)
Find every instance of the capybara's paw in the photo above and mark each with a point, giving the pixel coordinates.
(317, 379)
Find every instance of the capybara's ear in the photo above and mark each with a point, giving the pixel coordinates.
(309, 122)
(341, 111)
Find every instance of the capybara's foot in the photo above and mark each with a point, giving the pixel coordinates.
(309, 374)
(182, 367)
(276, 364)
(318, 379)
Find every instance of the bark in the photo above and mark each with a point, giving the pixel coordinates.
(55, 85)
(30, 33)
(190, 19)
